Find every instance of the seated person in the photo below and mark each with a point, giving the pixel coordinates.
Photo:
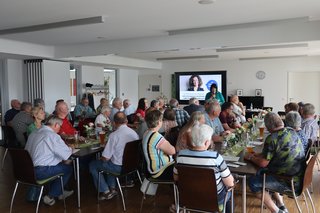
(112, 154)
(83, 110)
(199, 155)
(182, 116)
(103, 102)
(15, 109)
(211, 115)
(116, 106)
(309, 122)
(128, 109)
(62, 112)
(238, 109)
(282, 154)
(169, 121)
(141, 110)
(20, 123)
(156, 149)
(184, 137)
(227, 118)
(195, 83)
(194, 106)
(291, 107)
(293, 120)
(103, 122)
(49, 154)
(38, 115)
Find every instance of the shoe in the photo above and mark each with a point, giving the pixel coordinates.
(129, 184)
(65, 194)
(48, 200)
(109, 195)
(283, 208)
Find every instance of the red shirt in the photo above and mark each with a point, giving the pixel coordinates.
(66, 127)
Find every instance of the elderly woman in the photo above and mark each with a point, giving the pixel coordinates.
(184, 138)
(157, 150)
(293, 120)
(169, 121)
(238, 109)
(103, 121)
(39, 115)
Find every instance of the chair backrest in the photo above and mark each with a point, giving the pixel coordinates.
(309, 149)
(172, 137)
(9, 136)
(197, 188)
(131, 156)
(307, 179)
(23, 168)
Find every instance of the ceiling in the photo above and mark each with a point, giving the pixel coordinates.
(153, 19)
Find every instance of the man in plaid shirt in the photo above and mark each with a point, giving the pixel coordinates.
(182, 116)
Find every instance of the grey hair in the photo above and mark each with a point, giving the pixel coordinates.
(273, 121)
(200, 134)
(293, 119)
(38, 102)
(308, 109)
(173, 103)
(193, 101)
(213, 106)
(116, 100)
(52, 120)
(105, 109)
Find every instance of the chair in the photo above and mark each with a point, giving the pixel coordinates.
(8, 141)
(307, 180)
(23, 170)
(154, 181)
(130, 164)
(194, 196)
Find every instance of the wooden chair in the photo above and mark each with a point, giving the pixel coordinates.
(307, 181)
(192, 195)
(130, 165)
(23, 170)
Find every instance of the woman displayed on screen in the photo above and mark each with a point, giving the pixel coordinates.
(215, 94)
(195, 83)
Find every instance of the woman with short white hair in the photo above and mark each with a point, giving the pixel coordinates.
(103, 121)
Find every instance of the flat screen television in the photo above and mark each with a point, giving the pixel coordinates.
(185, 89)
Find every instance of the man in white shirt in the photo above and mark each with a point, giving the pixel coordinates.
(116, 107)
(128, 108)
(49, 153)
(111, 159)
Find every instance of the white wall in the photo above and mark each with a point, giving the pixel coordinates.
(56, 83)
(128, 85)
(242, 75)
(16, 82)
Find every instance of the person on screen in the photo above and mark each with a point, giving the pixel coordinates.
(195, 83)
(215, 94)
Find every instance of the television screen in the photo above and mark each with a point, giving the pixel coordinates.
(197, 84)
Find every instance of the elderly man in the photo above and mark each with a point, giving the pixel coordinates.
(211, 115)
(103, 102)
(62, 112)
(116, 107)
(112, 154)
(228, 118)
(193, 106)
(128, 108)
(83, 110)
(309, 123)
(200, 156)
(282, 154)
(293, 120)
(49, 153)
(21, 121)
(15, 109)
(182, 116)
(238, 109)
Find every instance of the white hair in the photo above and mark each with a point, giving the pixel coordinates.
(200, 134)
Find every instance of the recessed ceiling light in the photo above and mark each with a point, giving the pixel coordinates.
(206, 1)
(101, 37)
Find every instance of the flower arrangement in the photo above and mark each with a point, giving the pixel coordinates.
(235, 137)
(89, 129)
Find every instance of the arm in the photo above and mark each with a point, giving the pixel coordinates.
(228, 181)
(257, 159)
(167, 148)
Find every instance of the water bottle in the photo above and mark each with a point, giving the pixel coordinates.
(251, 106)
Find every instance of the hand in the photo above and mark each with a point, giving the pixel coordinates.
(248, 156)
(82, 139)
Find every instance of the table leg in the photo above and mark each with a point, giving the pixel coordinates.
(244, 193)
(78, 181)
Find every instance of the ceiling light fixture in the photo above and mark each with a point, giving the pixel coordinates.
(206, 1)
(53, 25)
(188, 57)
(262, 47)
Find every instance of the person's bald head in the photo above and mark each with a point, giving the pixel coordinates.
(120, 118)
(15, 104)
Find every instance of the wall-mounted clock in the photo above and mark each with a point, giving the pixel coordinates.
(260, 75)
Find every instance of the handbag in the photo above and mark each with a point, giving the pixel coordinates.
(152, 190)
